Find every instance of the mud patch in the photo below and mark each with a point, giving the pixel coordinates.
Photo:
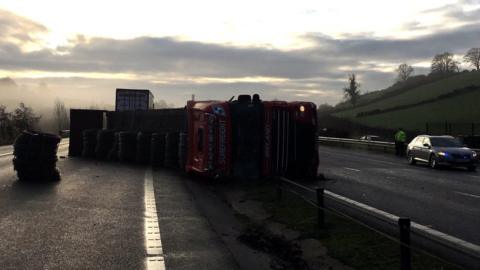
(286, 255)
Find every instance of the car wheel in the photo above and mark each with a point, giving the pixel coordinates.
(433, 162)
(472, 168)
(411, 159)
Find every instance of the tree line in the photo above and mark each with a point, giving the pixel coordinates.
(442, 64)
(23, 118)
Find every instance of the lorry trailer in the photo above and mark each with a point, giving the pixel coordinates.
(133, 99)
(246, 138)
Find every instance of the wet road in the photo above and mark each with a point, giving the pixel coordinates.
(5, 150)
(448, 200)
(94, 218)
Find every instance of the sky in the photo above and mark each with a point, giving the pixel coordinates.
(80, 51)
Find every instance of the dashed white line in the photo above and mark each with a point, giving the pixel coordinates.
(352, 169)
(468, 194)
(153, 241)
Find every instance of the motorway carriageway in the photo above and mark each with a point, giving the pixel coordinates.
(104, 215)
(97, 217)
(447, 200)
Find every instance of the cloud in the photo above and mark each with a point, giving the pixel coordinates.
(457, 12)
(176, 68)
(149, 55)
(19, 30)
(167, 55)
(399, 50)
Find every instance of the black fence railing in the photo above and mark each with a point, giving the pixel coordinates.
(410, 236)
(452, 128)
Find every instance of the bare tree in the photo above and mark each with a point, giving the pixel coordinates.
(404, 72)
(60, 115)
(6, 129)
(351, 92)
(473, 57)
(162, 104)
(444, 63)
(24, 118)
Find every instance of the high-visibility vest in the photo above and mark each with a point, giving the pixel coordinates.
(400, 136)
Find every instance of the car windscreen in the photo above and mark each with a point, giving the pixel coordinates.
(445, 142)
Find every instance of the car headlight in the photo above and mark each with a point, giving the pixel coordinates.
(443, 154)
(474, 154)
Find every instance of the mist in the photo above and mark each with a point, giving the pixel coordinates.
(41, 97)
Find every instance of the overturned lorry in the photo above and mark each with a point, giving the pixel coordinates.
(246, 138)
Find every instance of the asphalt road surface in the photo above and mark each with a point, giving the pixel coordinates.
(447, 200)
(94, 219)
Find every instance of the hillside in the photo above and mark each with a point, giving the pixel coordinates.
(398, 89)
(452, 99)
(459, 109)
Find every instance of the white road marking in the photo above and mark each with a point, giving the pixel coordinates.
(352, 169)
(468, 194)
(153, 241)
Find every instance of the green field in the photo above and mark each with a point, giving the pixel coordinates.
(415, 95)
(460, 109)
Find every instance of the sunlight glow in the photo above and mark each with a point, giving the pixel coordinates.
(245, 23)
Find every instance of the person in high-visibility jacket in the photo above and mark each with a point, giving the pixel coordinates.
(400, 139)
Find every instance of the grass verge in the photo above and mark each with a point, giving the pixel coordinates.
(346, 241)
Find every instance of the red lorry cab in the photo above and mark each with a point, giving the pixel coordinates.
(250, 139)
(209, 139)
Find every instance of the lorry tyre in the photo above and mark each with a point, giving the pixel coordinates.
(157, 152)
(113, 152)
(182, 150)
(104, 143)
(171, 149)
(143, 147)
(127, 146)
(89, 137)
(35, 156)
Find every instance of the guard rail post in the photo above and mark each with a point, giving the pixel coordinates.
(320, 204)
(405, 252)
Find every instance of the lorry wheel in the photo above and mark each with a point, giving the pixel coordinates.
(34, 154)
(171, 150)
(182, 150)
(113, 151)
(127, 146)
(89, 139)
(157, 151)
(105, 139)
(143, 147)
